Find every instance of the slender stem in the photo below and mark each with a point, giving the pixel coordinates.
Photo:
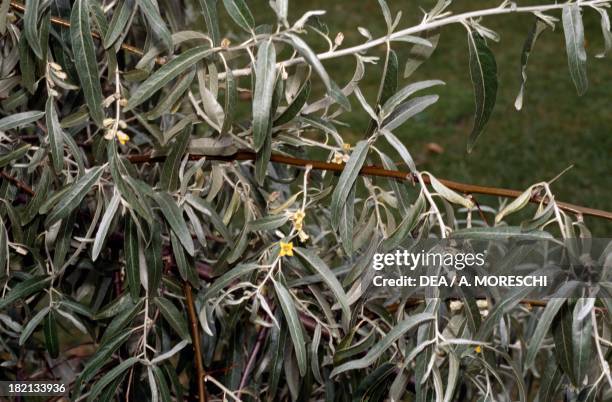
(195, 334)
(380, 172)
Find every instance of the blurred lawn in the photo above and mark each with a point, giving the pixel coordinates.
(555, 129)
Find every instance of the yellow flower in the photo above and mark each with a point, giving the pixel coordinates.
(338, 158)
(346, 146)
(286, 249)
(478, 349)
(298, 219)
(122, 137)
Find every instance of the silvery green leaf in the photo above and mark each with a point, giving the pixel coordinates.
(386, 13)
(206, 208)
(400, 148)
(223, 145)
(544, 322)
(377, 350)
(537, 28)
(574, 45)
(419, 52)
(564, 346)
(132, 260)
(400, 96)
(108, 378)
(56, 135)
(30, 26)
(167, 73)
(20, 119)
(32, 324)
(209, 10)
(365, 104)
(296, 105)
(185, 264)
(157, 24)
(50, 334)
(4, 248)
(173, 96)
(265, 76)
(605, 30)
(105, 223)
(153, 258)
(299, 24)
(450, 195)
(85, 59)
(582, 337)
(321, 268)
(240, 13)
(517, 204)
(551, 380)
(173, 316)
(121, 16)
(483, 73)
(73, 319)
(166, 355)
(169, 179)
(5, 159)
(227, 278)
(24, 289)
(73, 197)
(407, 110)
(500, 232)
(332, 89)
(269, 222)
(174, 217)
(295, 327)
(347, 181)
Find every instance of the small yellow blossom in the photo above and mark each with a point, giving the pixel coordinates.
(298, 220)
(346, 146)
(338, 158)
(122, 137)
(478, 349)
(225, 43)
(303, 236)
(55, 66)
(286, 249)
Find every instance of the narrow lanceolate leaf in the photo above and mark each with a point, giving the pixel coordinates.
(347, 180)
(101, 357)
(110, 377)
(400, 148)
(153, 254)
(332, 89)
(14, 155)
(227, 278)
(483, 72)
(390, 104)
(321, 268)
(121, 16)
(408, 110)
(174, 216)
(105, 223)
(420, 52)
(4, 248)
(605, 30)
(295, 107)
(50, 332)
(56, 136)
(24, 289)
(85, 59)
(265, 75)
(173, 316)
(20, 119)
(240, 13)
(376, 351)
(450, 195)
(30, 26)
(294, 325)
(157, 24)
(185, 265)
(582, 338)
(209, 10)
(170, 171)
(132, 261)
(32, 324)
(562, 333)
(548, 315)
(167, 73)
(537, 28)
(574, 45)
(73, 197)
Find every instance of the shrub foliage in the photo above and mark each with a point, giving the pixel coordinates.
(184, 218)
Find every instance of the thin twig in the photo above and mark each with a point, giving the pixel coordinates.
(261, 336)
(380, 172)
(18, 183)
(195, 334)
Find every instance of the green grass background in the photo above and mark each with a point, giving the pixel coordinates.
(555, 129)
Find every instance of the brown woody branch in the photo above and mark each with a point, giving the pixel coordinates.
(197, 349)
(380, 172)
